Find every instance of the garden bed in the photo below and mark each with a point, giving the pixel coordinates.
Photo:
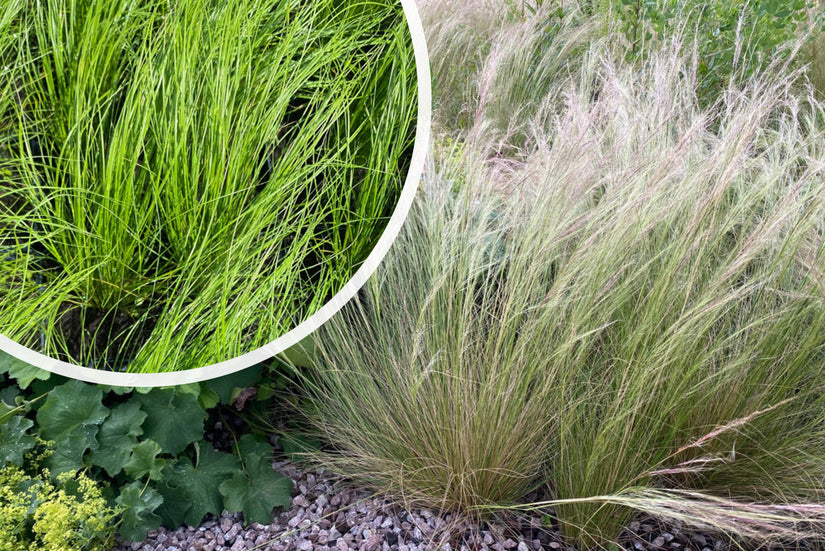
(601, 328)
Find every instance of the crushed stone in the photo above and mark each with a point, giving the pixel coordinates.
(327, 515)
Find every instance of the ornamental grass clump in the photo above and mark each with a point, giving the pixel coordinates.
(182, 183)
(686, 309)
(630, 315)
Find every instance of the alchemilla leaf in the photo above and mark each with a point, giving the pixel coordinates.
(21, 371)
(70, 406)
(250, 444)
(15, 441)
(175, 503)
(174, 420)
(118, 435)
(68, 452)
(70, 417)
(257, 491)
(8, 403)
(139, 504)
(199, 483)
(144, 461)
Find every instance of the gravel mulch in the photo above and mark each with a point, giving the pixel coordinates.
(328, 516)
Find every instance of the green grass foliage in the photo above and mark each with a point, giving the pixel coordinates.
(181, 183)
(498, 65)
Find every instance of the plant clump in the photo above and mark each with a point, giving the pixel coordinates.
(627, 310)
(66, 513)
(182, 183)
(160, 457)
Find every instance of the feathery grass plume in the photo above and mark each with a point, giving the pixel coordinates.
(192, 180)
(497, 69)
(499, 65)
(815, 54)
(688, 294)
(632, 314)
(421, 384)
(772, 524)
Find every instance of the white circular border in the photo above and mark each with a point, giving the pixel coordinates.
(422, 138)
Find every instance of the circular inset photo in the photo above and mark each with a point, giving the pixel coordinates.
(189, 187)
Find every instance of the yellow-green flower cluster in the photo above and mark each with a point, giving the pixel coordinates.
(35, 514)
(15, 503)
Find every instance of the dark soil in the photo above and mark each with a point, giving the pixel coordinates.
(103, 340)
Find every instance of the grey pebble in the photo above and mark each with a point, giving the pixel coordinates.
(232, 533)
(373, 543)
(325, 517)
